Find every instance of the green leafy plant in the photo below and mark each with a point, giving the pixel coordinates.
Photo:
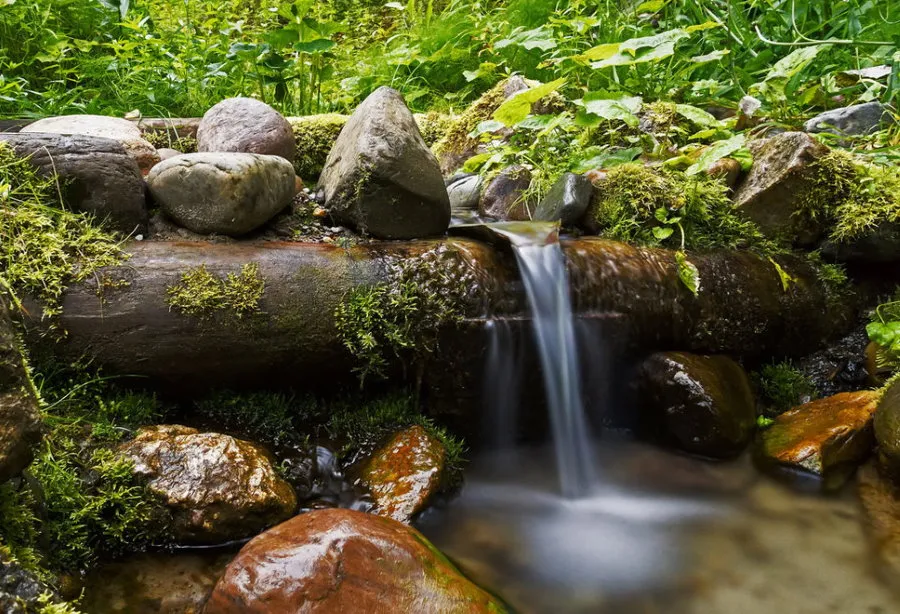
(884, 331)
(782, 386)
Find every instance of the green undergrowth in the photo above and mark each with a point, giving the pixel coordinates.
(201, 293)
(401, 318)
(884, 331)
(657, 207)
(44, 247)
(356, 423)
(782, 386)
(314, 137)
(164, 139)
(79, 501)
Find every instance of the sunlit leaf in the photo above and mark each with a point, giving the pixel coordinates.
(698, 116)
(517, 108)
(716, 152)
(688, 273)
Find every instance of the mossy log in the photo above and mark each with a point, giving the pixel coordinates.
(124, 319)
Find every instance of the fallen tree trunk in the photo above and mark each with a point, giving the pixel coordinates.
(125, 322)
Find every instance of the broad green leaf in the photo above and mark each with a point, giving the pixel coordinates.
(661, 214)
(716, 152)
(485, 127)
(602, 106)
(710, 57)
(706, 25)
(608, 159)
(774, 85)
(645, 49)
(688, 273)
(517, 108)
(651, 6)
(663, 232)
(600, 52)
(536, 122)
(698, 116)
(538, 38)
(885, 334)
(317, 46)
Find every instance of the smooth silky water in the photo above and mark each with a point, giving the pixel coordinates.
(620, 527)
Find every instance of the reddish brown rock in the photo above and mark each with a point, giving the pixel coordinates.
(405, 473)
(217, 487)
(829, 437)
(339, 560)
(503, 197)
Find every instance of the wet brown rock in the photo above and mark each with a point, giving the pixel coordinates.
(887, 430)
(702, 403)
(881, 504)
(20, 420)
(773, 193)
(726, 169)
(404, 474)
(829, 437)
(217, 487)
(344, 561)
(503, 197)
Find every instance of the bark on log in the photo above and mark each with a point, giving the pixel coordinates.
(742, 308)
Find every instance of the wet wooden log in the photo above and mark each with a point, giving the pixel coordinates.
(634, 294)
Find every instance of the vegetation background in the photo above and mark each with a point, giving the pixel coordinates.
(179, 57)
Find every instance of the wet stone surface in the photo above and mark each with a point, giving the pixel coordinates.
(404, 474)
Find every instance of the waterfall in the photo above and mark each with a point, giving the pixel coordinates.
(543, 268)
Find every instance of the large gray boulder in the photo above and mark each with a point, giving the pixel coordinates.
(777, 189)
(122, 130)
(222, 193)
(853, 120)
(246, 125)
(20, 420)
(381, 177)
(96, 175)
(217, 487)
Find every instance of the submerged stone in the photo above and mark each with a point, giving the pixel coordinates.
(96, 175)
(122, 130)
(381, 178)
(223, 193)
(217, 487)
(887, 430)
(567, 201)
(246, 125)
(776, 192)
(344, 561)
(405, 473)
(20, 419)
(20, 589)
(856, 119)
(829, 437)
(702, 403)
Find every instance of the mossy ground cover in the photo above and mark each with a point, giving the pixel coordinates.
(201, 293)
(45, 247)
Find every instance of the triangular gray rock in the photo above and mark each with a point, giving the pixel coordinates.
(381, 177)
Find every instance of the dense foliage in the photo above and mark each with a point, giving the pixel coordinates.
(179, 58)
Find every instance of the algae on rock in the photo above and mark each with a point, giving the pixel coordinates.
(201, 293)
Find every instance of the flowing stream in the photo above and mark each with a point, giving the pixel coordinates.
(542, 265)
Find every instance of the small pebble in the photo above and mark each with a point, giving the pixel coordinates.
(319, 212)
(328, 240)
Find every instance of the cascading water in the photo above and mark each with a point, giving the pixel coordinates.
(543, 269)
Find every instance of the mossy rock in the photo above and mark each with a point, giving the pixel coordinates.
(314, 136)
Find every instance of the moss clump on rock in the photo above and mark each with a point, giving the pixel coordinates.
(314, 136)
(865, 195)
(201, 293)
(44, 247)
(456, 139)
(91, 505)
(433, 126)
(651, 206)
(402, 317)
(164, 139)
(782, 386)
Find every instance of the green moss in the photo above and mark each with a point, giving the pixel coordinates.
(272, 417)
(315, 136)
(865, 199)
(651, 206)
(44, 247)
(91, 503)
(401, 318)
(166, 139)
(456, 137)
(200, 293)
(782, 386)
(363, 425)
(433, 126)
